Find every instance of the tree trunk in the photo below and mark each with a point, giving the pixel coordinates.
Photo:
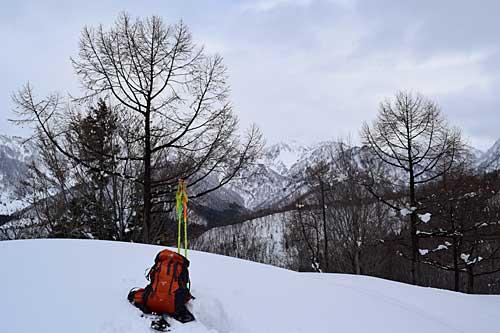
(413, 230)
(455, 265)
(413, 217)
(147, 180)
(357, 265)
(470, 280)
(456, 269)
(324, 225)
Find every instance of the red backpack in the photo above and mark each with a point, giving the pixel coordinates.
(169, 288)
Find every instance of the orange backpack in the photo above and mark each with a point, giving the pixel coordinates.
(168, 289)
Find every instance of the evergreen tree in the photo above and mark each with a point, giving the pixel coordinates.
(96, 146)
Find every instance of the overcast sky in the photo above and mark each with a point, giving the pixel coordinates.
(307, 70)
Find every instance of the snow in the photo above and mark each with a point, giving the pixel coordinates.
(265, 235)
(423, 252)
(404, 212)
(425, 218)
(342, 178)
(15, 155)
(466, 258)
(81, 286)
(407, 211)
(9, 204)
(490, 160)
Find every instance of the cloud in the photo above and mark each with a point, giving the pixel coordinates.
(268, 5)
(304, 69)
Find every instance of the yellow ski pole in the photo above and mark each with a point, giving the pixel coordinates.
(178, 199)
(185, 200)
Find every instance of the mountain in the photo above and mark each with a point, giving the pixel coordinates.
(268, 178)
(273, 177)
(474, 153)
(270, 182)
(490, 160)
(232, 295)
(15, 155)
(261, 240)
(267, 182)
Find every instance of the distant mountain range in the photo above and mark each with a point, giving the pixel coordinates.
(490, 160)
(15, 156)
(268, 181)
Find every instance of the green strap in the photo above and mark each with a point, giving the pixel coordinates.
(181, 199)
(178, 199)
(185, 199)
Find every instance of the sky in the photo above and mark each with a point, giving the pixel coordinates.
(303, 70)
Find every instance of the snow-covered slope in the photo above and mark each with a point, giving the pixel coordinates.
(15, 155)
(284, 163)
(266, 184)
(268, 180)
(260, 240)
(490, 160)
(76, 286)
(275, 175)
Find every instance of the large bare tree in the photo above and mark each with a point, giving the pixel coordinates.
(411, 135)
(174, 95)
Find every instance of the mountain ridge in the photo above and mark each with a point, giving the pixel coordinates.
(267, 182)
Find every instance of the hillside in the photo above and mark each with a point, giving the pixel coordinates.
(490, 160)
(269, 181)
(15, 155)
(80, 286)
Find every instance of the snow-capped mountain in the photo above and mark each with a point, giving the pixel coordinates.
(15, 155)
(490, 160)
(282, 164)
(273, 177)
(474, 153)
(280, 157)
(269, 178)
(269, 181)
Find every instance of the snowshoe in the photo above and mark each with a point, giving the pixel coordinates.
(184, 316)
(160, 324)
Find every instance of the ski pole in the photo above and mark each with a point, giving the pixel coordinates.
(185, 200)
(178, 199)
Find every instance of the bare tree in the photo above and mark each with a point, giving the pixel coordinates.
(304, 234)
(317, 177)
(411, 135)
(359, 222)
(175, 96)
(464, 235)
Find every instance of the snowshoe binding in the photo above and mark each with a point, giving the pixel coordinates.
(183, 315)
(160, 324)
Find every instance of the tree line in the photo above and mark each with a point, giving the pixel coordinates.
(409, 205)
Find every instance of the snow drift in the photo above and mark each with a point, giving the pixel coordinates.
(61, 286)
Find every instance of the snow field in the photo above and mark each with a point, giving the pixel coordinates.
(61, 286)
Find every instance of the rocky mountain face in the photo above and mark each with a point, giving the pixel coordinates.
(271, 180)
(490, 160)
(15, 155)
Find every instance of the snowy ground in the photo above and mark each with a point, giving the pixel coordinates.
(9, 204)
(71, 286)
